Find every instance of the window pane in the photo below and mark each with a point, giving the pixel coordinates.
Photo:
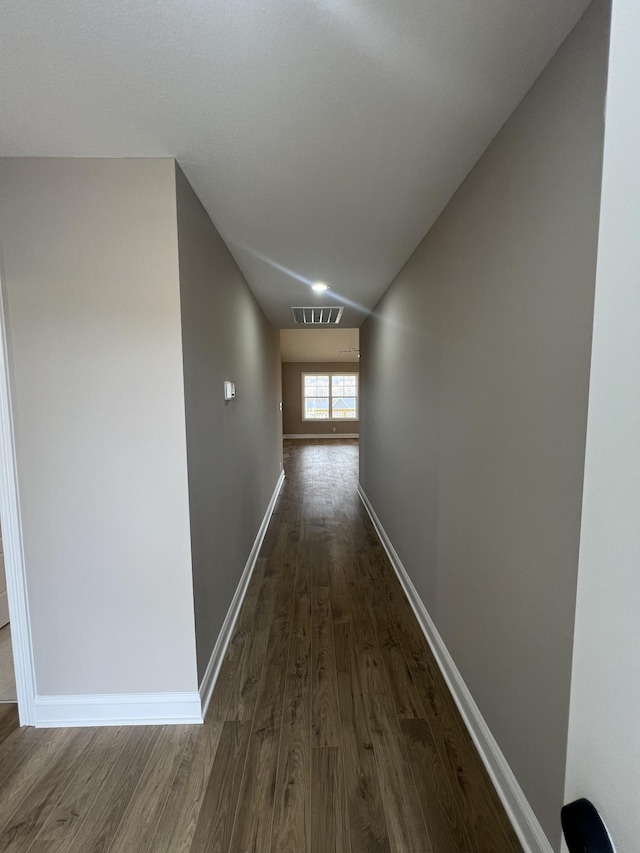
(316, 386)
(344, 384)
(316, 407)
(343, 407)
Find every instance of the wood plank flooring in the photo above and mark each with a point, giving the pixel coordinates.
(330, 729)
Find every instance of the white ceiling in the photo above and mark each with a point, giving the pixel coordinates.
(323, 136)
(319, 344)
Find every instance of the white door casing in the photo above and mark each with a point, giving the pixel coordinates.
(16, 592)
(4, 600)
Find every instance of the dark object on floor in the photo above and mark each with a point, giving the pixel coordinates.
(583, 829)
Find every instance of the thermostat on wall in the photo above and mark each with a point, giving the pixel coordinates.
(229, 390)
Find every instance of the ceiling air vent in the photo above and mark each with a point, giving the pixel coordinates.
(319, 315)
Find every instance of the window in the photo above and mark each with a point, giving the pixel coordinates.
(329, 396)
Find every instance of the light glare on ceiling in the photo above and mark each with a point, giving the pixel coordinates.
(319, 286)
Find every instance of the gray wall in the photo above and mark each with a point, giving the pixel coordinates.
(234, 449)
(603, 761)
(90, 272)
(292, 399)
(483, 343)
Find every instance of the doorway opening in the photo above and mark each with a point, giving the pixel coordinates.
(320, 383)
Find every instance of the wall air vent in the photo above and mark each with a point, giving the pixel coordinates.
(328, 315)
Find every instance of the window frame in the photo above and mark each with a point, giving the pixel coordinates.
(330, 397)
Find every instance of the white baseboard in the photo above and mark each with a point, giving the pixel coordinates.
(525, 823)
(117, 709)
(224, 637)
(324, 435)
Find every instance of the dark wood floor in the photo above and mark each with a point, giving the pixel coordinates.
(330, 729)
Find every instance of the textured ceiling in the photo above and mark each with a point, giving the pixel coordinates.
(323, 136)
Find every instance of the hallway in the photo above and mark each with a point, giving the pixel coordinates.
(329, 729)
(339, 733)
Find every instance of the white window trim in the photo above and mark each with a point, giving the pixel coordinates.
(330, 375)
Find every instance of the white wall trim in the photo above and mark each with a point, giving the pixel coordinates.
(117, 709)
(4, 608)
(324, 435)
(12, 535)
(525, 823)
(224, 637)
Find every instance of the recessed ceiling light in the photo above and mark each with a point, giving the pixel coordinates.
(319, 286)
